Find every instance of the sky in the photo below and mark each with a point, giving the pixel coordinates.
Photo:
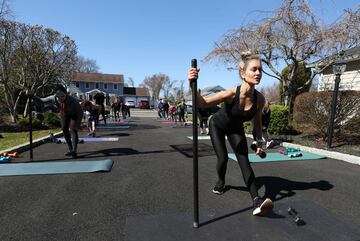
(140, 38)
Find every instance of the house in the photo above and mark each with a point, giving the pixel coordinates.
(208, 91)
(85, 85)
(349, 80)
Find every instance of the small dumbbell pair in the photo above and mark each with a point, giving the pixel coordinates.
(254, 147)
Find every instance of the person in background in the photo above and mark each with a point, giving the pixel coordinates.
(166, 109)
(160, 108)
(242, 103)
(93, 111)
(99, 98)
(181, 107)
(71, 115)
(173, 113)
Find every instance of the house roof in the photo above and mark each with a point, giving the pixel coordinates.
(99, 78)
(142, 91)
(350, 55)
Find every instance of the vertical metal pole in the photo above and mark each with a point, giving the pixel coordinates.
(195, 149)
(333, 111)
(30, 126)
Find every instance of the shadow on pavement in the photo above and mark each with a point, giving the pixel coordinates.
(277, 188)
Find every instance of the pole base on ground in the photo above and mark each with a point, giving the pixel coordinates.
(195, 225)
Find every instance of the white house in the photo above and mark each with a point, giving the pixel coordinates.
(349, 80)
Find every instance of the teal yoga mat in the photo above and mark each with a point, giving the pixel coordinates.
(275, 157)
(39, 168)
(112, 127)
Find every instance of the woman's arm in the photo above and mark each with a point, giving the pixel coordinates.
(204, 102)
(258, 116)
(222, 96)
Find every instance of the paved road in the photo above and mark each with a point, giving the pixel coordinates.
(150, 177)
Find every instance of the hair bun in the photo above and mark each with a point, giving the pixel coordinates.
(246, 54)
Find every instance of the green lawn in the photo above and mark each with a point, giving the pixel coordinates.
(11, 139)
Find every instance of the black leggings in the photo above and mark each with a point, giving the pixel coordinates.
(73, 138)
(237, 140)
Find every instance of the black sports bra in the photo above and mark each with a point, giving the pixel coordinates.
(232, 114)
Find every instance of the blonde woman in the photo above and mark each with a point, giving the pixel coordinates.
(242, 103)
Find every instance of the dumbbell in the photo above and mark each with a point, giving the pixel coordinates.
(295, 154)
(5, 158)
(254, 146)
(292, 212)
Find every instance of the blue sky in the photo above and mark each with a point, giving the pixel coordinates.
(139, 38)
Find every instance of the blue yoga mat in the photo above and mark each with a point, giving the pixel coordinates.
(112, 127)
(94, 139)
(39, 168)
(273, 157)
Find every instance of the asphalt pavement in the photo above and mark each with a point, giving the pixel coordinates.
(150, 176)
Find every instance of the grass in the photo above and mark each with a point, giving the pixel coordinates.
(11, 139)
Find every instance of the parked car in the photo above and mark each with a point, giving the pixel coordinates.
(144, 104)
(188, 109)
(130, 103)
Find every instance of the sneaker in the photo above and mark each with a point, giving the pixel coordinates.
(270, 144)
(261, 206)
(71, 153)
(219, 188)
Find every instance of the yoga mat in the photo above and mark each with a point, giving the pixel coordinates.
(167, 122)
(115, 123)
(39, 168)
(112, 127)
(204, 137)
(94, 139)
(273, 157)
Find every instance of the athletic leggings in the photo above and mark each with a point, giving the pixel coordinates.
(237, 140)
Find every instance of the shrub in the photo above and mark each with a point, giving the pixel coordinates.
(248, 127)
(52, 119)
(279, 120)
(312, 111)
(24, 122)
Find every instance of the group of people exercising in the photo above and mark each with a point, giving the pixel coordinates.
(241, 103)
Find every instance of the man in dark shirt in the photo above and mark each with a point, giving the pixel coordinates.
(71, 115)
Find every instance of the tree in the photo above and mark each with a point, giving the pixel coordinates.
(5, 10)
(271, 93)
(32, 57)
(86, 65)
(155, 83)
(291, 37)
(130, 82)
(168, 86)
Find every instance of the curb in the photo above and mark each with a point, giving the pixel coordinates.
(26, 146)
(331, 154)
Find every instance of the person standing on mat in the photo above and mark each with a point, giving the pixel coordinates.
(181, 110)
(93, 111)
(71, 115)
(242, 103)
(99, 98)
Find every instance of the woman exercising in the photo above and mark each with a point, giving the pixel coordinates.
(242, 103)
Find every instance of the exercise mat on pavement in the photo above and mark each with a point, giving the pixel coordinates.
(64, 167)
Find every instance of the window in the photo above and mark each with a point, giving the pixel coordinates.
(87, 86)
(77, 84)
(105, 86)
(96, 85)
(115, 86)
